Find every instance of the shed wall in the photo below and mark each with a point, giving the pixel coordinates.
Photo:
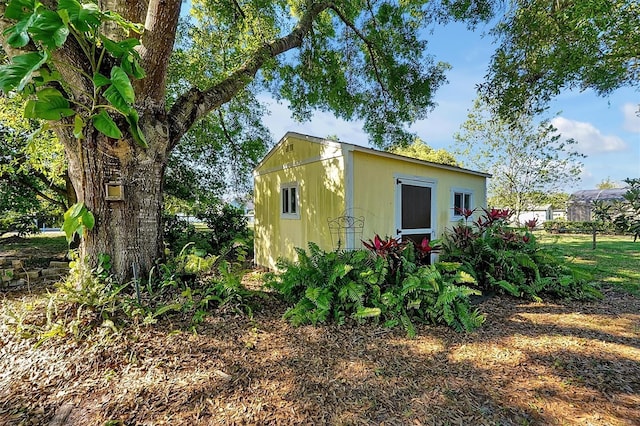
(318, 171)
(374, 191)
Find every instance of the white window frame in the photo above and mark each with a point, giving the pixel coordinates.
(455, 216)
(290, 210)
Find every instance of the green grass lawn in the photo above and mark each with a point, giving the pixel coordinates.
(615, 261)
(48, 240)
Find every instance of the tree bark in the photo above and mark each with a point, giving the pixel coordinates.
(127, 228)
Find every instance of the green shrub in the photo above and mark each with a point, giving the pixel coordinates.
(178, 233)
(188, 285)
(20, 223)
(226, 224)
(361, 285)
(510, 260)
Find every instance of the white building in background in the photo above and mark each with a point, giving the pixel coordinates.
(541, 213)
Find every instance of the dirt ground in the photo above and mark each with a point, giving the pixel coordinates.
(530, 364)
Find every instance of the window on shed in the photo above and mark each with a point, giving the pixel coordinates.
(462, 200)
(290, 197)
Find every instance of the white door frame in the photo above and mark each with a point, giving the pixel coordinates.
(414, 181)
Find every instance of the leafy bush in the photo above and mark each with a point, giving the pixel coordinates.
(510, 260)
(386, 285)
(621, 215)
(226, 223)
(188, 286)
(178, 233)
(88, 300)
(20, 223)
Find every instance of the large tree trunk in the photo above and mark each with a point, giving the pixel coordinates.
(128, 226)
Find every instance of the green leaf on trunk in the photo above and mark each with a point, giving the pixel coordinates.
(91, 15)
(74, 211)
(18, 73)
(88, 220)
(131, 65)
(122, 22)
(124, 50)
(105, 125)
(115, 98)
(19, 9)
(50, 105)
(136, 132)
(49, 29)
(44, 76)
(122, 84)
(100, 80)
(119, 49)
(83, 16)
(76, 220)
(17, 34)
(78, 126)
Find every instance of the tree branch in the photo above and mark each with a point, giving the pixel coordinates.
(239, 9)
(22, 181)
(157, 43)
(226, 133)
(195, 103)
(367, 43)
(19, 161)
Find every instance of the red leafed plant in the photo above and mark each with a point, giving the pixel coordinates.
(425, 246)
(383, 247)
(498, 214)
(531, 224)
(424, 250)
(391, 250)
(465, 212)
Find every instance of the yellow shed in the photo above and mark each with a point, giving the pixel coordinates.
(336, 194)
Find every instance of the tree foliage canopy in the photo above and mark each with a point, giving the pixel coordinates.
(548, 46)
(101, 75)
(32, 171)
(419, 149)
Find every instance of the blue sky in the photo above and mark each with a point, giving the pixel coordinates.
(607, 129)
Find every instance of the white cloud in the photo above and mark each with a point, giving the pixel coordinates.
(631, 117)
(590, 140)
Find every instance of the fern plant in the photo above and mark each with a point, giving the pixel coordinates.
(369, 286)
(434, 293)
(328, 285)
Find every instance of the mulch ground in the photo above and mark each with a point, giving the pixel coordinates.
(530, 364)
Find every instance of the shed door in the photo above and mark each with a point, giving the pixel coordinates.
(415, 209)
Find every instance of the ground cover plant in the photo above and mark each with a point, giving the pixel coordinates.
(385, 284)
(502, 258)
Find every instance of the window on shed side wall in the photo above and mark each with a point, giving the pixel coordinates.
(289, 201)
(461, 199)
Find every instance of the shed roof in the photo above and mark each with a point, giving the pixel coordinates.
(589, 195)
(367, 150)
